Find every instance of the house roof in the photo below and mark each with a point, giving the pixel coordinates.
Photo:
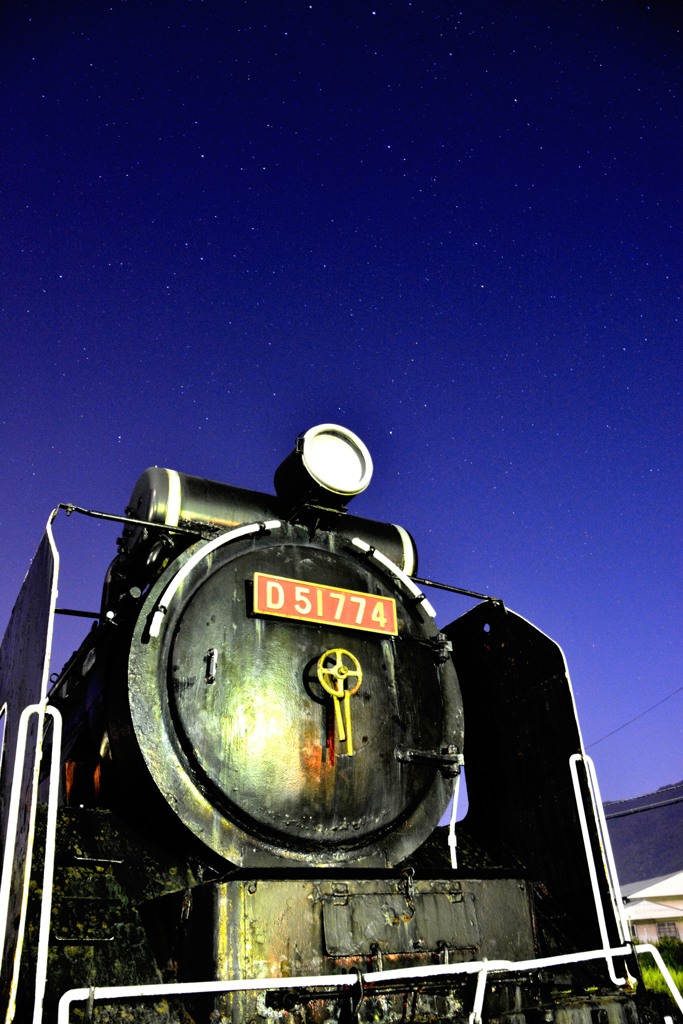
(661, 887)
(663, 797)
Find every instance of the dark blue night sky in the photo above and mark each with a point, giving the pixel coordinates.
(453, 227)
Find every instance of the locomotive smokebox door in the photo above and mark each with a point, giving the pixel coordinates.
(290, 699)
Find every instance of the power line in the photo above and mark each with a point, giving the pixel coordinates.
(631, 720)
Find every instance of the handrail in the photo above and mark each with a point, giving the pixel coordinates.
(201, 553)
(483, 968)
(20, 765)
(590, 861)
(18, 771)
(606, 845)
(48, 864)
(180, 988)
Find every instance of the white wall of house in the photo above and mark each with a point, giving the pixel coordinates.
(648, 931)
(654, 908)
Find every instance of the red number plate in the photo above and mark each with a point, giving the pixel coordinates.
(333, 606)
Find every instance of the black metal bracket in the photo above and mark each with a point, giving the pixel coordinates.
(448, 759)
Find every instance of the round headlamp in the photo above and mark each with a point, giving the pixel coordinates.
(330, 464)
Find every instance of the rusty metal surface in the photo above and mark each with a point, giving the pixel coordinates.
(98, 935)
(275, 928)
(281, 927)
(389, 919)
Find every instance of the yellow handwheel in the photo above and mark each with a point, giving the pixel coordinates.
(333, 677)
(335, 667)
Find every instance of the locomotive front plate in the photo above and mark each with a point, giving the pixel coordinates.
(332, 606)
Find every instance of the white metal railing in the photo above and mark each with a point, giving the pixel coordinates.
(452, 838)
(48, 865)
(482, 968)
(21, 763)
(607, 861)
(201, 553)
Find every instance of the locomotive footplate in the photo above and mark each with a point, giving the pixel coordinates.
(289, 928)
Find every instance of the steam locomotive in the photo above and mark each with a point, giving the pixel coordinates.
(225, 808)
